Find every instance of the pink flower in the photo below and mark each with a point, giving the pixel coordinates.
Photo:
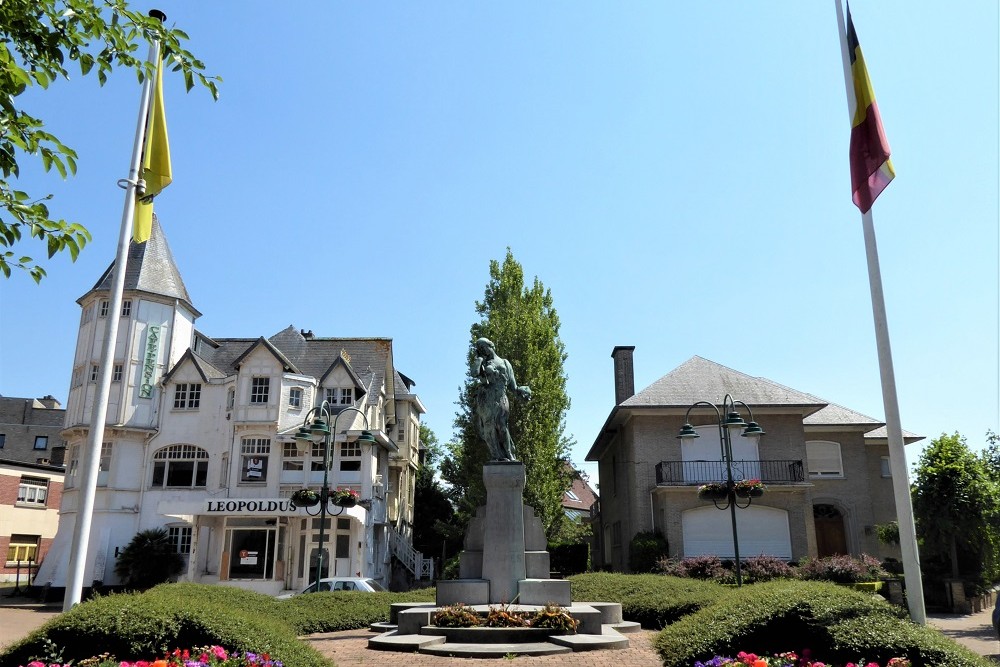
(219, 652)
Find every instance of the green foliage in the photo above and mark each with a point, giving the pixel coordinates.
(956, 505)
(432, 509)
(139, 625)
(888, 533)
(645, 549)
(523, 324)
(41, 41)
(652, 600)
(343, 610)
(149, 559)
(837, 624)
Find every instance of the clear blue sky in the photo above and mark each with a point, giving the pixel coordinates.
(676, 173)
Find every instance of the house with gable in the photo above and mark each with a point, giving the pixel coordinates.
(200, 441)
(826, 469)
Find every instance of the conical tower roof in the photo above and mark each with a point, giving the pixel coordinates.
(150, 269)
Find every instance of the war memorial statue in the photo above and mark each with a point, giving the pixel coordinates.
(492, 377)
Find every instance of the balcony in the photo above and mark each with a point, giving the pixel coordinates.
(682, 473)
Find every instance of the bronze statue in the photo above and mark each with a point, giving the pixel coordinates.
(492, 377)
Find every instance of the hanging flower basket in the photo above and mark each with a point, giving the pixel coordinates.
(713, 491)
(345, 497)
(305, 498)
(749, 488)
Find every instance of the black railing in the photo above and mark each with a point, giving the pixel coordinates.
(680, 473)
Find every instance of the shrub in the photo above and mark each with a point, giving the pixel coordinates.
(149, 559)
(650, 599)
(645, 549)
(139, 625)
(837, 624)
(842, 569)
(765, 568)
(343, 610)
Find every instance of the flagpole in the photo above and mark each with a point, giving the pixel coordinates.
(91, 456)
(890, 402)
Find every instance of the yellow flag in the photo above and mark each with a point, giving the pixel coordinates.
(155, 162)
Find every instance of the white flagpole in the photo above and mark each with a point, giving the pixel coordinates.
(897, 454)
(91, 455)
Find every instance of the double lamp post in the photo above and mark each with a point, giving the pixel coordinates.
(320, 431)
(731, 420)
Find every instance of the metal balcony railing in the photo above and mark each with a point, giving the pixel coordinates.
(681, 473)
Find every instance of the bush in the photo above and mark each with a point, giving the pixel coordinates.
(842, 569)
(650, 599)
(765, 568)
(838, 625)
(343, 610)
(142, 625)
(149, 559)
(569, 558)
(645, 549)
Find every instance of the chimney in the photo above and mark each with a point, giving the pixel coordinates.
(50, 402)
(624, 373)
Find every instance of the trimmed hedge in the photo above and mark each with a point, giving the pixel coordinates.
(653, 600)
(143, 625)
(837, 624)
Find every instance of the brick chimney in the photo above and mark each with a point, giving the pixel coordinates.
(624, 373)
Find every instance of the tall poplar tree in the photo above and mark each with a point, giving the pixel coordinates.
(523, 325)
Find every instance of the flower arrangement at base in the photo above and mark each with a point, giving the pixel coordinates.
(713, 491)
(787, 659)
(749, 488)
(456, 616)
(305, 498)
(345, 497)
(554, 617)
(205, 656)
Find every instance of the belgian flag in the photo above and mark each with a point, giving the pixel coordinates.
(871, 168)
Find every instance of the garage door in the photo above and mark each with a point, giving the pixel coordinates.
(762, 530)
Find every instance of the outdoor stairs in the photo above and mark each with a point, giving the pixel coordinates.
(412, 560)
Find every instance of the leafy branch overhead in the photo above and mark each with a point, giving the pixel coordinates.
(42, 41)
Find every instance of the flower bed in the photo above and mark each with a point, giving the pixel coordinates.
(787, 659)
(205, 656)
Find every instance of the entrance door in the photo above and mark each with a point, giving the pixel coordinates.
(314, 563)
(342, 546)
(831, 536)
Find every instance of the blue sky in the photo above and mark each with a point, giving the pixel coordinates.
(676, 174)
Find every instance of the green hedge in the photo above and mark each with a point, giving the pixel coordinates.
(653, 600)
(142, 625)
(837, 624)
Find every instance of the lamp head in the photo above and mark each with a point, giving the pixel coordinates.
(367, 438)
(734, 419)
(303, 440)
(687, 432)
(320, 427)
(753, 428)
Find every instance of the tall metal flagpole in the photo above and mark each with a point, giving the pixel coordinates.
(91, 458)
(897, 454)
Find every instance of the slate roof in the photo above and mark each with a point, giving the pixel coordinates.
(699, 379)
(312, 356)
(151, 269)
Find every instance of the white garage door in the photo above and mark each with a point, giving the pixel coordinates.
(762, 530)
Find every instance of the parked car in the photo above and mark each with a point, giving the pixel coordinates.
(340, 584)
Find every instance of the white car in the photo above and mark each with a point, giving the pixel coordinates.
(341, 584)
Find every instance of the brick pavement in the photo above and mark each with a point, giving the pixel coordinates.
(350, 648)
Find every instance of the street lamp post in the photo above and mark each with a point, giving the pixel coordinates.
(308, 434)
(732, 419)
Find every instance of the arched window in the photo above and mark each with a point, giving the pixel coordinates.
(180, 466)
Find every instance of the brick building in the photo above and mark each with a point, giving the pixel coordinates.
(30, 430)
(30, 494)
(826, 468)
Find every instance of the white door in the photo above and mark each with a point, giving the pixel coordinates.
(761, 530)
(702, 456)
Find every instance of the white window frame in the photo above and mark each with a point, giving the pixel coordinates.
(102, 308)
(177, 454)
(260, 390)
(825, 459)
(126, 308)
(254, 454)
(885, 467)
(116, 372)
(187, 396)
(180, 537)
(295, 395)
(350, 456)
(95, 371)
(32, 492)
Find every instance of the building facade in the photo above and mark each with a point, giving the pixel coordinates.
(30, 430)
(30, 494)
(826, 469)
(200, 441)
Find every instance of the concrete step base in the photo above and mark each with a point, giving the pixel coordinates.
(462, 650)
(627, 626)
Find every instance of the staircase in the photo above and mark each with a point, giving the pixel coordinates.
(412, 560)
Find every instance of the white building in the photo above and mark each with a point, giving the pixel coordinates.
(199, 440)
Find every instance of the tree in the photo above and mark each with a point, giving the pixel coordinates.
(956, 505)
(149, 559)
(432, 509)
(39, 39)
(523, 324)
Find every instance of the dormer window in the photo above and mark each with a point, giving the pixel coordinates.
(343, 396)
(187, 396)
(260, 389)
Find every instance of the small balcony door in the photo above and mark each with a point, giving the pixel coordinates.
(708, 449)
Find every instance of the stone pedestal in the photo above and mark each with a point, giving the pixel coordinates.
(503, 534)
